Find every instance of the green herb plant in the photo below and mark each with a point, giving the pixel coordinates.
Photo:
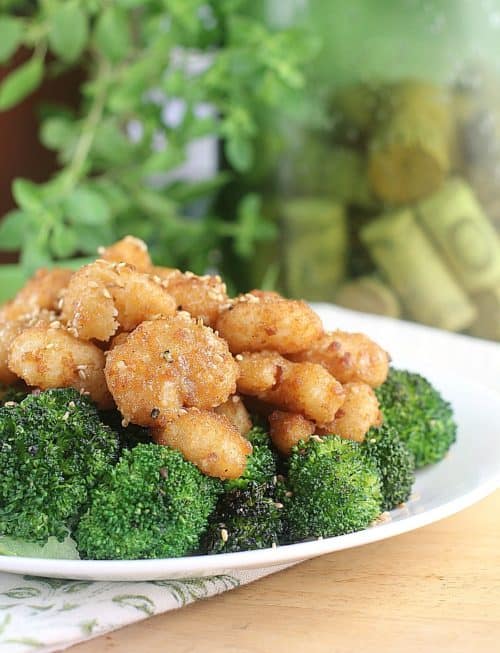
(159, 75)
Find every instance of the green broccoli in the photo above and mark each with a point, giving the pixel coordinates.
(394, 462)
(421, 417)
(53, 450)
(247, 518)
(335, 489)
(130, 435)
(261, 464)
(153, 504)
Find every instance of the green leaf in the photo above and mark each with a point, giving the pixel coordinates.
(12, 279)
(65, 550)
(28, 195)
(12, 230)
(57, 131)
(239, 152)
(90, 238)
(63, 240)
(35, 253)
(68, 31)
(87, 206)
(11, 30)
(20, 83)
(112, 34)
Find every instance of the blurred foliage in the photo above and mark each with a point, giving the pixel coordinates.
(159, 74)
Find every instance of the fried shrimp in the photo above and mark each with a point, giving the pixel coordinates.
(305, 388)
(8, 333)
(202, 297)
(359, 412)
(256, 322)
(103, 297)
(258, 371)
(287, 429)
(210, 441)
(128, 250)
(234, 409)
(167, 364)
(47, 356)
(350, 357)
(9, 330)
(41, 292)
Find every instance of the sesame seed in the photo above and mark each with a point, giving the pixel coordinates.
(316, 438)
(224, 535)
(239, 357)
(125, 423)
(106, 293)
(278, 505)
(55, 324)
(101, 250)
(93, 284)
(65, 416)
(288, 494)
(71, 405)
(9, 404)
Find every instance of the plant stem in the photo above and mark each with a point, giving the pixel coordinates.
(89, 128)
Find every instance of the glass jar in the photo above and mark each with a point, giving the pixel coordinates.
(386, 185)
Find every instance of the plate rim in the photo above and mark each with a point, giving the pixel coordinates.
(204, 565)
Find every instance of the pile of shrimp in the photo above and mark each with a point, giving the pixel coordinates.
(172, 352)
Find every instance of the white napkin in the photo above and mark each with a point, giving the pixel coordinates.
(50, 614)
(42, 615)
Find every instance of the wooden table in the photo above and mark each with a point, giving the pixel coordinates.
(436, 589)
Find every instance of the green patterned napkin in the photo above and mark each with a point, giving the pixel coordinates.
(50, 614)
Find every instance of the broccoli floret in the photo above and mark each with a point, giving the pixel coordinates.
(394, 462)
(246, 518)
(153, 504)
(130, 435)
(53, 450)
(261, 464)
(421, 417)
(335, 489)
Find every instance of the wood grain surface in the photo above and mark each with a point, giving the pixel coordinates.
(435, 589)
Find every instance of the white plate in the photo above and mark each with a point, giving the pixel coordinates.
(470, 472)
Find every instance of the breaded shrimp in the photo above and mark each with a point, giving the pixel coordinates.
(305, 388)
(168, 364)
(234, 409)
(209, 441)
(103, 297)
(128, 250)
(50, 357)
(9, 330)
(359, 412)
(8, 333)
(256, 322)
(349, 357)
(202, 297)
(287, 429)
(258, 371)
(41, 292)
